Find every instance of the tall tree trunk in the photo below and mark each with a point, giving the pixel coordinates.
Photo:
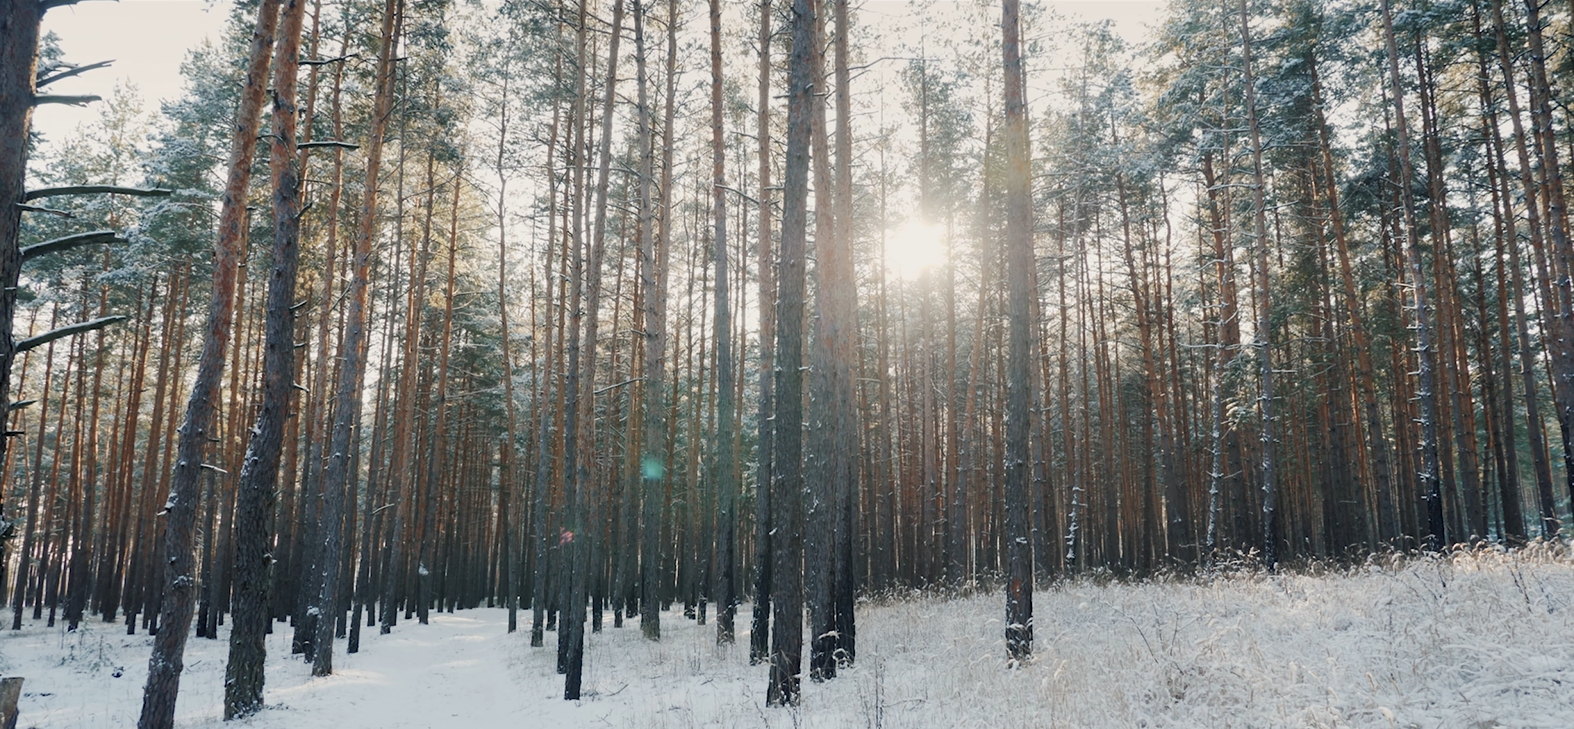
(840, 277)
(352, 354)
(1264, 333)
(546, 411)
(1222, 440)
(1019, 251)
(573, 268)
(243, 672)
(759, 631)
(512, 522)
(300, 501)
(787, 495)
(165, 664)
(1429, 486)
(1507, 236)
(652, 463)
(572, 632)
(820, 480)
(19, 28)
(726, 477)
(437, 453)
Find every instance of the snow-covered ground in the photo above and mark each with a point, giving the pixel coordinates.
(1473, 640)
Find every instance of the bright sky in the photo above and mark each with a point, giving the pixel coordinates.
(148, 39)
(1130, 16)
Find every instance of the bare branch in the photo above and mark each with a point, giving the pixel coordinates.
(69, 72)
(45, 6)
(620, 384)
(67, 331)
(739, 193)
(329, 143)
(326, 61)
(93, 189)
(37, 209)
(69, 242)
(42, 99)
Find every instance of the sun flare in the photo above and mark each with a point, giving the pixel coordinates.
(915, 248)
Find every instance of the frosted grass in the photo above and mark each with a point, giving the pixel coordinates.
(1469, 639)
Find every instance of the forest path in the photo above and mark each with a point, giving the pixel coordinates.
(451, 672)
(465, 670)
(462, 670)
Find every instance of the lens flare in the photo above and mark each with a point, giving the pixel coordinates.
(914, 248)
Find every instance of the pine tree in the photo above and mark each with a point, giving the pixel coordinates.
(1020, 261)
(165, 664)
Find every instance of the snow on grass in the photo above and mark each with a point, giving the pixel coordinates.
(1473, 640)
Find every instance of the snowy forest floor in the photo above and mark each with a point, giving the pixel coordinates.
(1474, 639)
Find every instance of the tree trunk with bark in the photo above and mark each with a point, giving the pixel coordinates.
(1429, 484)
(653, 459)
(243, 672)
(179, 594)
(352, 355)
(571, 634)
(726, 477)
(1267, 439)
(1017, 185)
(759, 632)
(787, 494)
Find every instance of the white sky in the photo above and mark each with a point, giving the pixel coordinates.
(148, 39)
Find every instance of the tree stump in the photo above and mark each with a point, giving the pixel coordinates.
(10, 691)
